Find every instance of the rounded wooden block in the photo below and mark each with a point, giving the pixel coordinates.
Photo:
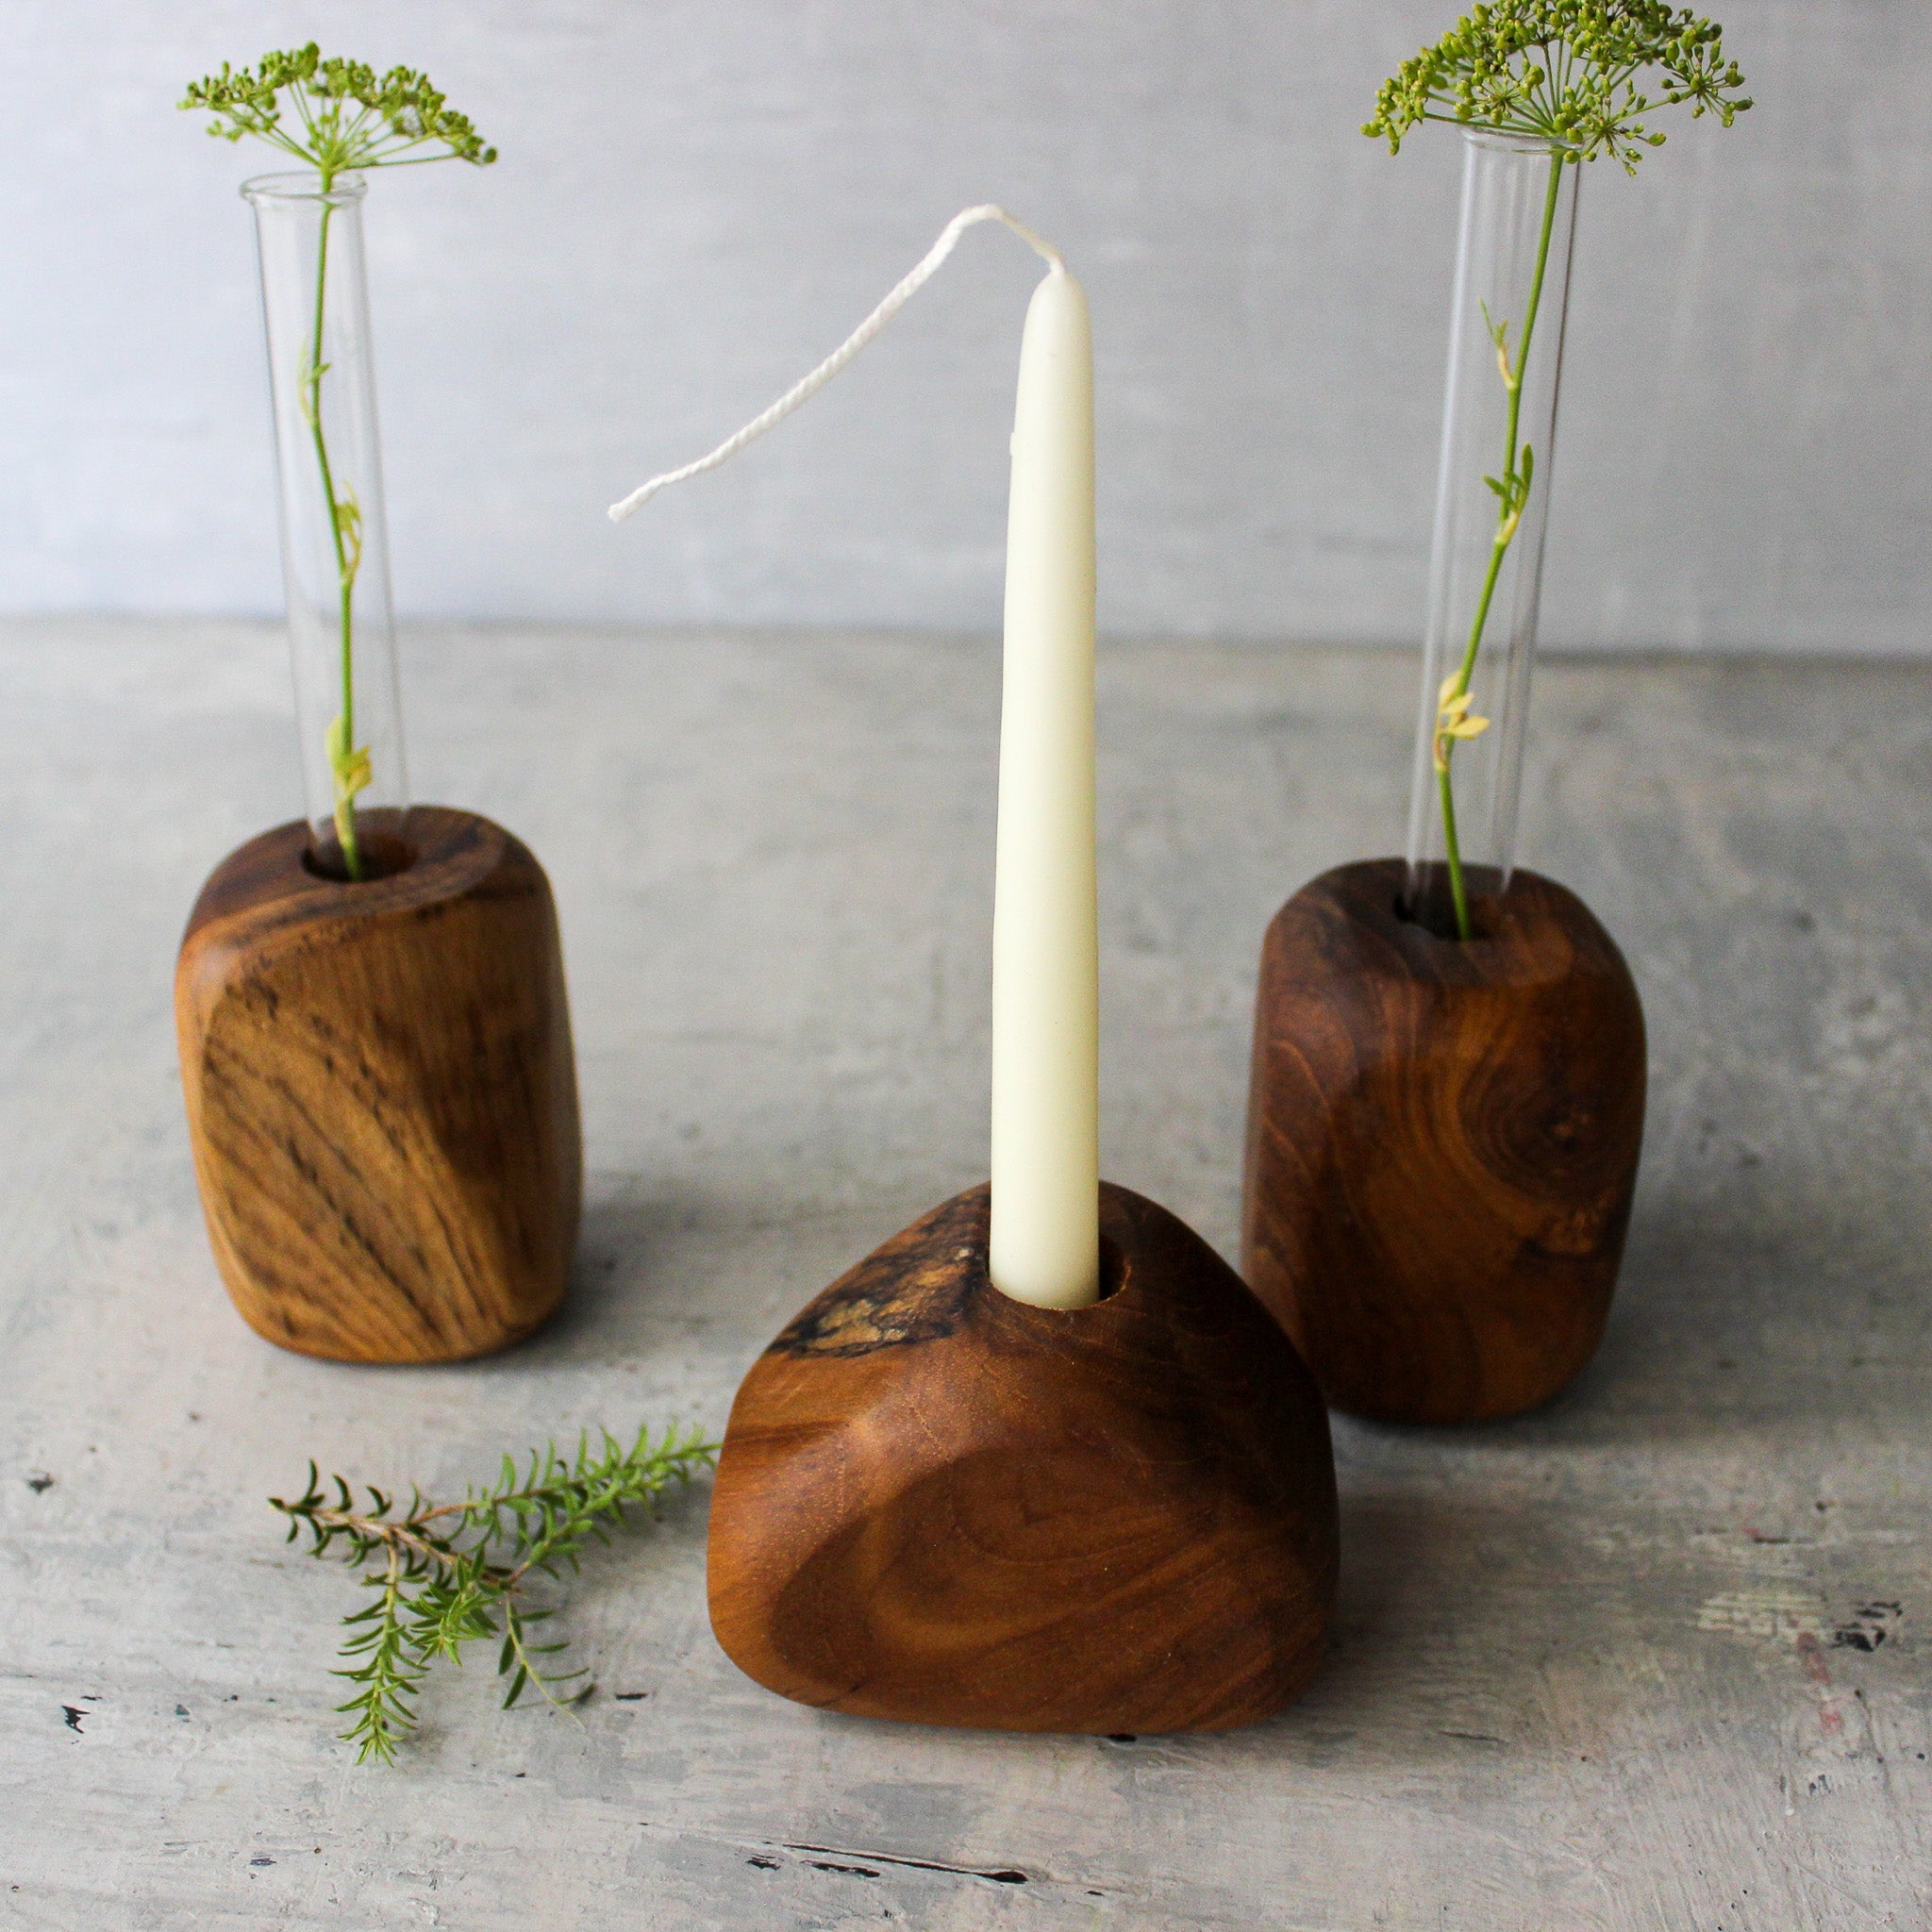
(935, 1503)
(1442, 1142)
(381, 1093)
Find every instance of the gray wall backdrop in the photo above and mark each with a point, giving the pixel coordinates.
(698, 197)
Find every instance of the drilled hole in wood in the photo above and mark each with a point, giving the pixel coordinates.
(384, 856)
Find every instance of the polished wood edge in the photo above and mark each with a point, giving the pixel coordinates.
(261, 898)
(1535, 932)
(454, 851)
(913, 1289)
(388, 1355)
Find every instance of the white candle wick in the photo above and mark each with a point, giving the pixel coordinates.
(808, 386)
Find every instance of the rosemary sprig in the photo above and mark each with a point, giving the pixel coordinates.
(445, 1574)
(1563, 73)
(345, 120)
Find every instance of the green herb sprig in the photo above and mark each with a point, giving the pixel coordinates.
(1564, 73)
(450, 1573)
(340, 117)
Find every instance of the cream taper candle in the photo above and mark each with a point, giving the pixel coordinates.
(1045, 1235)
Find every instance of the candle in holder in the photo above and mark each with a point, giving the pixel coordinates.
(1046, 1234)
(941, 1497)
(1044, 1244)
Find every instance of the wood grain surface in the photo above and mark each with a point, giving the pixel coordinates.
(1442, 1142)
(939, 1503)
(382, 1094)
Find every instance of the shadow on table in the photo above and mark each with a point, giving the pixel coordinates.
(666, 1268)
(1445, 1617)
(1508, 1590)
(632, 1277)
(1777, 1305)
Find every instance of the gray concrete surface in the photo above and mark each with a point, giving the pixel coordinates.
(697, 200)
(1650, 1659)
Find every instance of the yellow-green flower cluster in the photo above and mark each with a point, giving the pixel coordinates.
(340, 116)
(1565, 72)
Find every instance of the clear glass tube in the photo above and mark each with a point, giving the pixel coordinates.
(335, 544)
(1499, 421)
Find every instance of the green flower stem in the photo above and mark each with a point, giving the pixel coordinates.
(1456, 890)
(345, 576)
(1565, 73)
(1514, 497)
(347, 120)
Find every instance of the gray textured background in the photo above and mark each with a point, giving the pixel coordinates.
(698, 197)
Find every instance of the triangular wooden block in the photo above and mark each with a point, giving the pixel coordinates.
(935, 1503)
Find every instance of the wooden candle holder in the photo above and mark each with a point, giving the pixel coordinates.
(939, 1504)
(381, 1093)
(1442, 1142)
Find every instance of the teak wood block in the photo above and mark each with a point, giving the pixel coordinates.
(1442, 1142)
(939, 1504)
(382, 1095)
